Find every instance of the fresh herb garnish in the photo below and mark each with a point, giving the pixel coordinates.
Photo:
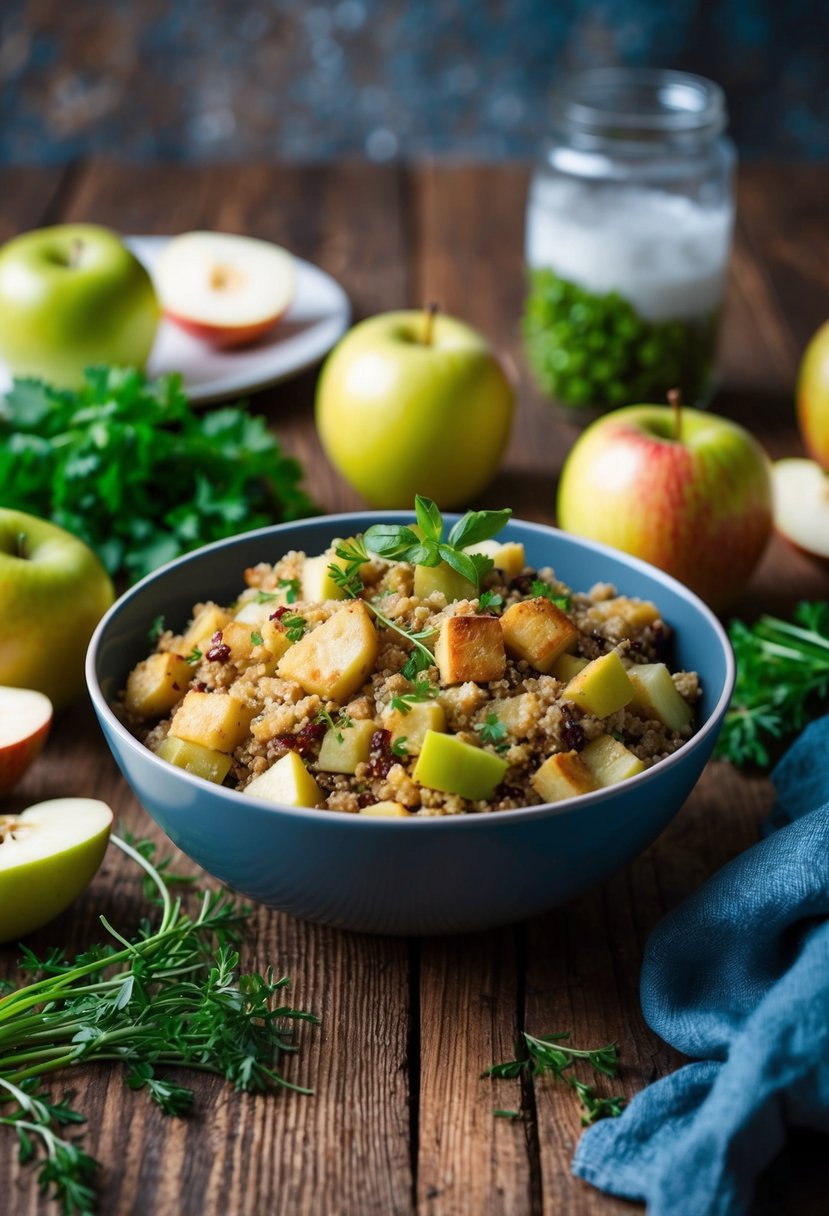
(564, 602)
(506, 1114)
(133, 470)
(169, 997)
(422, 691)
(782, 681)
(194, 656)
(291, 587)
(295, 625)
(489, 601)
(493, 730)
(355, 554)
(344, 721)
(400, 543)
(156, 629)
(256, 638)
(550, 1056)
(399, 746)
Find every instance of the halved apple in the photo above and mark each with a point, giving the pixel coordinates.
(48, 855)
(25, 719)
(801, 505)
(227, 290)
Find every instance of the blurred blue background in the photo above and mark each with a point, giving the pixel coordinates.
(386, 79)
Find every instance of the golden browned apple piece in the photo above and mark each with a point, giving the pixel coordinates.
(564, 775)
(335, 659)
(636, 614)
(470, 648)
(216, 720)
(155, 685)
(610, 761)
(248, 645)
(204, 625)
(538, 632)
(601, 687)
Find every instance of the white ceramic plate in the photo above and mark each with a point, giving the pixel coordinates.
(318, 317)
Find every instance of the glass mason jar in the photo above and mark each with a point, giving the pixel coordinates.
(628, 231)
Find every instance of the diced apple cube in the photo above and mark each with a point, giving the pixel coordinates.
(422, 716)
(216, 720)
(344, 747)
(202, 761)
(508, 556)
(610, 761)
(656, 695)
(564, 775)
(568, 665)
(470, 648)
(636, 614)
(211, 618)
(538, 631)
(386, 810)
(289, 782)
(601, 687)
(448, 764)
(156, 685)
(442, 578)
(257, 614)
(335, 659)
(317, 583)
(518, 713)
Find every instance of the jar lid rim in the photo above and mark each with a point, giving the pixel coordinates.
(622, 102)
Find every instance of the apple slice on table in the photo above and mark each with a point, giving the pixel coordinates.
(801, 505)
(227, 290)
(25, 718)
(48, 855)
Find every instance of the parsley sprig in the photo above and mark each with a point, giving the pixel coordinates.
(169, 996)
(782, 681)
(552, 1056)
(423, 691)
(493, 731)
(129, 467)
(539, 588)
(397, 542)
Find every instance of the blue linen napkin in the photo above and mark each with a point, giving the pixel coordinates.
(737, 977)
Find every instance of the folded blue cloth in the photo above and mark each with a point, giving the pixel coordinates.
(737, 977)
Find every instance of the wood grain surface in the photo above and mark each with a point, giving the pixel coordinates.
(400, 1121)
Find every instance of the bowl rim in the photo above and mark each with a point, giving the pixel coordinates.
(463, 822)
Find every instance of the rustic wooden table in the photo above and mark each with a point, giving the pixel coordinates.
(400, 1121)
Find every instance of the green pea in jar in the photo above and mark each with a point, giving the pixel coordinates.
(628, 232)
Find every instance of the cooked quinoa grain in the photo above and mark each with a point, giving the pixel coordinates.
(584, 694)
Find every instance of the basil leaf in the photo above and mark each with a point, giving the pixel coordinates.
(390, 540)
(429, 518)
(460, 562)
(424, 555)
(476, 526)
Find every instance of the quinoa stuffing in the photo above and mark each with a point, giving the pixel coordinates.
(404, 674)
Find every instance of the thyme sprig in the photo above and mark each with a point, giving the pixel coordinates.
(782, 681)
(553, 1056)
(169, 996)
(397, 542)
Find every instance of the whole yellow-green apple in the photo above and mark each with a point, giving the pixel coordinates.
(53, 592)
(813, 396)
(70, 297)
(413, 404)
(688, 491)
(48, 855)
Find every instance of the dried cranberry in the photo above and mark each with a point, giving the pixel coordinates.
(522, 583)
(380, 754)
(278, 615)
(219, 652)
(286, 742)
(380, 741)
(571, 733)
(662, 637)
(365, 800)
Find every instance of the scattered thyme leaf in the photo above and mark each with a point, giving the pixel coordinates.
(256, 638)
(295, 625)
(489, 601)
(423, 691)
(493, 730)
(400, 746)
(553, 1056)
(194, 656)
(291, 587)
(506, 1114)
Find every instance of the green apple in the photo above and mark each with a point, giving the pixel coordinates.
(25, 719)
(801, 505)
(447, 763)
(685, 490)
(411, 403)
(70, 297)
(813, 396)
(53, 592)
(48, 855)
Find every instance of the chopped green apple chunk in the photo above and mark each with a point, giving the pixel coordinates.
(317, 583)
(442, 578)
(602, 687)
(386, 810)
(289, 782)
(564, 775)
(344, 747)
(420, 717)
(448, 764)
(214, 719)
(610, 761)
(567, 666)
(156, 685)
(656, 695)
(203, 761)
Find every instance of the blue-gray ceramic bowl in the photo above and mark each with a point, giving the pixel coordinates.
(417, 876)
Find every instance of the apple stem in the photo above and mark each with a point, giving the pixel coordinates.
(675, 401)
(428, 322)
